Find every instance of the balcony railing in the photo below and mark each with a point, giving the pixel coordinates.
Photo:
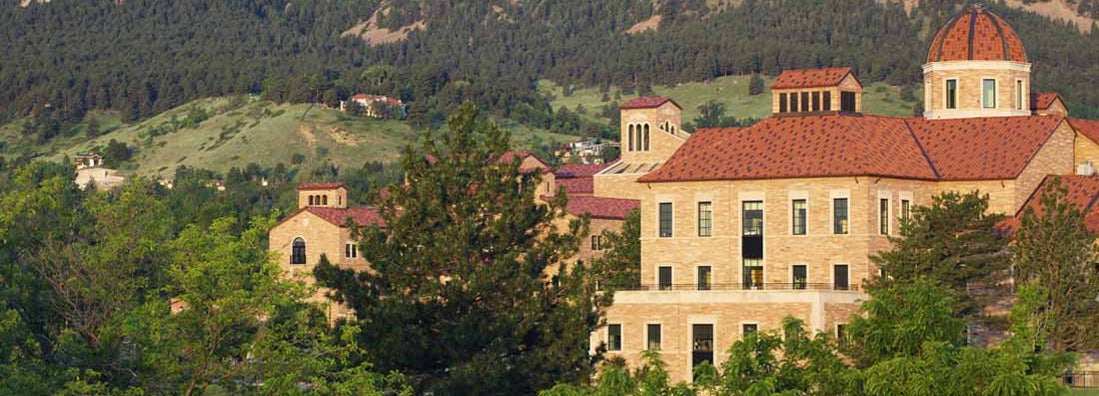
(733, 286)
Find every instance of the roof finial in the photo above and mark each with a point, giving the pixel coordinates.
(978, 6)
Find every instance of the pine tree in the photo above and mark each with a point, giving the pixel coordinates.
(457, 295)
(954, 244)
(1053, 248)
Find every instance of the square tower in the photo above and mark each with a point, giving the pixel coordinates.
(322, 194)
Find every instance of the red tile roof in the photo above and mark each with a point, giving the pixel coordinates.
(1088, 128)
(362, 216)
(1042, 101)
(994, 148)
(1083, 191)
(577, 185)
(976, 34)
(648, 102)
(602, 208)
(861, 145)
(579, 170)
(320, 186)
(810, 78)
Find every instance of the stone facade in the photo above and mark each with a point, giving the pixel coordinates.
(969, 75)
(321, 238)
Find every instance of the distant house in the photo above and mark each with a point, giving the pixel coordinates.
(101, 178)
(590, 151)
(88, 160)
(377, 106)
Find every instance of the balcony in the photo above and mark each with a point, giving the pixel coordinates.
(797, 286)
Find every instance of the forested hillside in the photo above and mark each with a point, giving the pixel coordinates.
(142, 57)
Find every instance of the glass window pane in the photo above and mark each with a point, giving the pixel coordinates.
(883, 220)
(988, 96)
(705, 219)
(801, 277)
(800, 212)
(665, 275)
(753, 218)
(749, 328)
(654, 337)
(705, 277)
(951, 94)
(666, 220)
(614, 337)
(839, 213)
(782, 103)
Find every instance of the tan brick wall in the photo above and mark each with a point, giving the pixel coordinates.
(1086, 150)
(662, 144)
(849, 84)
(1055, 158)
(618, 186)
(321, 237)
(337, 198)
(970, 87)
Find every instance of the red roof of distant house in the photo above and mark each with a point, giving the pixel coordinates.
(648, 102)
(1088, 128)
(579, 170)
(1083, 191)
(320, 186)
(811, 78)
(577, 185)
(861, 145)
(602, 208)
(1042, 101)
(976, 34)
(363, 216)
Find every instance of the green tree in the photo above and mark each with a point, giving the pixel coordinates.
(620, 265)
(756, 85)
(1053, 248)
(898, 320)
(952, 243)
(458, 292)
(710, 114)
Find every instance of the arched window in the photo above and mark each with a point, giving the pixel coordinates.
(324, 200)
(646, 137)
(631, 138)
(297, 251)
(310, 200)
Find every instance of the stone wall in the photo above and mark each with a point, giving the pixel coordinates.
(970, 76)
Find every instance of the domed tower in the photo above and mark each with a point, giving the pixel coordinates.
(976, 67)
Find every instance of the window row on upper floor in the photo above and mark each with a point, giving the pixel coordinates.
(299, 252)
(989, 94)
(751, 214)
(814, 101)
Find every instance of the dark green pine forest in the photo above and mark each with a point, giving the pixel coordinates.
(141, 57)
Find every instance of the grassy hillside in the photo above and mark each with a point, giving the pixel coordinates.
(878, 98)
(237, 131)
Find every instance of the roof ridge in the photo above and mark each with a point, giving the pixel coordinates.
(923, 151)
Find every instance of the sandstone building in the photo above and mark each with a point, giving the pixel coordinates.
(741, 227)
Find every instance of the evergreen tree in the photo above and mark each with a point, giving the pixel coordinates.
(620, 265)
(756, 85)
(1053, 248)
(952, 243)
(458, 292)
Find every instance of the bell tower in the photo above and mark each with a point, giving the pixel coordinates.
(322, 194)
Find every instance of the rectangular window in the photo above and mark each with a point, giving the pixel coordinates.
(988, 93)
(839, 216)
(1019, 94)
(753, 274)
(883, 216)
(840, 280)
(794, 102)
(847, 102)
(665, 219)
(753, 217)
(664, 275)
(705, 277)
(952, 94)
(614, 337)
(350, 250)
(596, 242)
(841, 332)
(705, 219)
(816, 101)
(653, 331)
(800, 212)
(702, 344)
(782, 103)
(804, 101)
(749, 328)
(827, 101)
(905, 207)
(800, 277)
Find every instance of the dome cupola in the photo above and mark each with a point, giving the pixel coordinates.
(976, 67)
(976, 35)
